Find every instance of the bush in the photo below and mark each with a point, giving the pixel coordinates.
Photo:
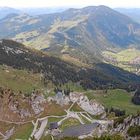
(118, 121)
(136, 97)
(134, 131)
(136, 100)
(117, 112)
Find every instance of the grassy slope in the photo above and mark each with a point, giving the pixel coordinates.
(124, 56)
(19, 79)
(23, 132)
(24, 81)
(5, 126)
(115, 98)
(69, 122)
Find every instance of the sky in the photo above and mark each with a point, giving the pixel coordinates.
(70, 3)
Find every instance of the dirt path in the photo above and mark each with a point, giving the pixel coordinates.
(5, 121)
(86, 117)
(2, 135)
(41, 123)
(38, 132)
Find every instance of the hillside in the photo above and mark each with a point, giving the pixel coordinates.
(57, 72)
(67, 75)
(4, 11)
(19, 80)
(128, 59)
(27, 117)
(85, 31)
(133, 13)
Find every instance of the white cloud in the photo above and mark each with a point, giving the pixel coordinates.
(79, 3)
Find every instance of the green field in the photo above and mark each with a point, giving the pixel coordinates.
(69, 122)
(123, 57)
(19, 80)
(23, 132)
(115, 98)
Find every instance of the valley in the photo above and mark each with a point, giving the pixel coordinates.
(69, 75)
(28, 102)
(127, 59)
(85, 36)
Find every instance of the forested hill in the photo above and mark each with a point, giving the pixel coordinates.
(60, 72)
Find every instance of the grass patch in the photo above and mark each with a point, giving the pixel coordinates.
(84, 119)
(19, 80)
(53, 119)
(5, 126)
(124, 55)
(124, 58)
(54, 109)
(48, 137)
(134, 131)
(73, 87)
(69, 122)
(50, 94)
(76, 108)
(23, 132)
(75, 61)
(115, 98)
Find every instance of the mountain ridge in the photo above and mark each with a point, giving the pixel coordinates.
(61, 72)
(131, 12)
(80, 34)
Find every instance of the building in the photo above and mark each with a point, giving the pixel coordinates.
(53, 125)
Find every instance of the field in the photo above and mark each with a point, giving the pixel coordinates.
(23, 132)
(19, 80)
(115, 98)
(124, 58)
(124, 55)
(69, 122)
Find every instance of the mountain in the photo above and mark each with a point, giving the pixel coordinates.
(133, 13)
(90, 29)
(4, 11)
(80, 36)
(72, 85)
(59, 72)
(27, 114)
(42, 10)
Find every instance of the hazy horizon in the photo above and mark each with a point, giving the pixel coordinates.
(68, 3)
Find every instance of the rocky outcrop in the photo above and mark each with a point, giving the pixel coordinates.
(37, 103)
(124, 126)
(20, 107)
(90, 106)
(9, 133)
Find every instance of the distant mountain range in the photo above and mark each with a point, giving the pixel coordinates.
(44, 10)
(79, 36)
(67, 69)
(4, 11)
(133, 13)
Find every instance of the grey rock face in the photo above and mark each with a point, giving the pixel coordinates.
(36, 104)
(91, 106)
(123, 127)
